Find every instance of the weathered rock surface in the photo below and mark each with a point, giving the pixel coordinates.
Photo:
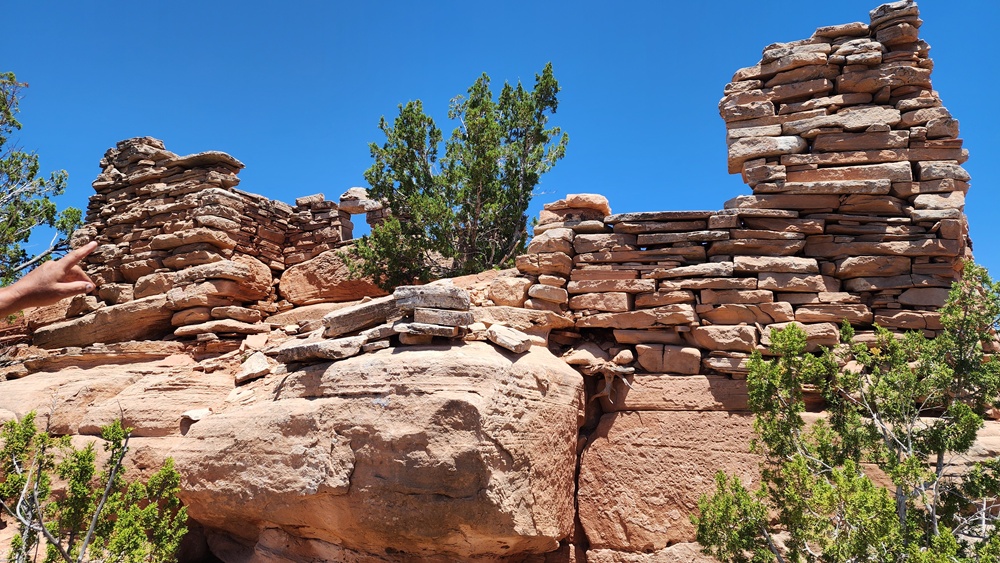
(453, 450)
(142, 319)
(641, 474)
(322, 279)
(418, 426)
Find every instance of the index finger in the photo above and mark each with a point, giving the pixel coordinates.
(76, 255)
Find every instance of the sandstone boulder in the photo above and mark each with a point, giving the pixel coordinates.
(456, 451)
(142, 319)
(322, 279)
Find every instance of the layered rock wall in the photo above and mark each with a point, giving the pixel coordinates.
(182, 251)
(856, 214)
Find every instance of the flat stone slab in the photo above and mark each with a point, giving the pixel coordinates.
(410, 297)
(335, 349)
(357, 317)
(509, 338)
(222, 326)
(658, 216)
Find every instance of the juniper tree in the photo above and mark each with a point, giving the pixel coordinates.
(464, 212)
(25, 197)
(98, 515)
(881, 476)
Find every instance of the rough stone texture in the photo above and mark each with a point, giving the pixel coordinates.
(142, 319)
(661, 462)
(362, 315)
(669, 393)
(440, 296)
(658, 358)
(427, 434)
(677, 553)
(322, 279)
(509, 338)
(509, 291)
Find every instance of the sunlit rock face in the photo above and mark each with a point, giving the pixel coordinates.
(460, 450)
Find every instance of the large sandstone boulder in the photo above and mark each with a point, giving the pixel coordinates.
(323, 279)
(456, 451)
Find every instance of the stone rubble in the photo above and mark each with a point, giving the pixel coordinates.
(412, 315)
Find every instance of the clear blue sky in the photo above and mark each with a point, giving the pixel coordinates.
(295, 89)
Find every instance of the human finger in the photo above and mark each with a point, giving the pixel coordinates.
(67, 289)
(74, 256)
(74, 274)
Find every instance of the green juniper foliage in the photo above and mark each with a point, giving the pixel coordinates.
(466, 212)
(880, 477)
(100, 516)
(25, 196)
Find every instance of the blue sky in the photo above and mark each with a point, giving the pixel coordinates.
(295, 90)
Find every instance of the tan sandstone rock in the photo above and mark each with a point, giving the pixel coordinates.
(324, 278)
(443, 450)
(622, 507)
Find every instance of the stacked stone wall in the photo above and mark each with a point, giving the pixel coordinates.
(146, 191)
(182, 251)
(856, 214)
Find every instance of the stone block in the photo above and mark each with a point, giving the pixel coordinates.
(835, 313)
(549, 293)
(604, 286)
(747, 148)
(691, 393)
(658, 298)
(360, 316)
(336, 349)
(664, 358)
(784, 264)
(604, 242)
(437, 296)
(924, 297)
(793, 282)
(597, 202)
(555, 263)
(510, 291)
(446, 317)
(667, 315)
(725, 338)
(610, 302)
(552, 240)
(509, 338)
(866, 266)
(222, 326)
(748, 314)
(720, 296)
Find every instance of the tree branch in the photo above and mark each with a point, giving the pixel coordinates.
(107, 491)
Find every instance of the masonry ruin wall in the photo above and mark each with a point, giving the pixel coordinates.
(855, 213)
